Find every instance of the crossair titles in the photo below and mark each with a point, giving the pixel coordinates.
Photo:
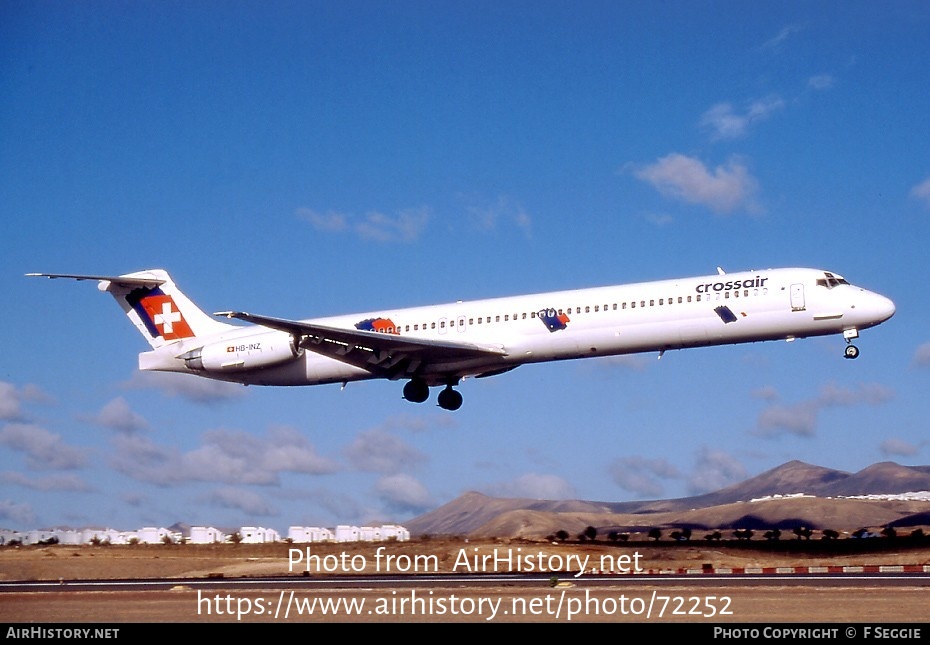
(748, 283)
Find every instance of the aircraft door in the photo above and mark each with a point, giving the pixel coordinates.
(797, 297)
(461, 325)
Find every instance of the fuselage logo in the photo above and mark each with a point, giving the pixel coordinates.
(380, 325)
(552, 319)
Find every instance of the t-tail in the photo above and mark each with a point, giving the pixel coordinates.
(155, 305)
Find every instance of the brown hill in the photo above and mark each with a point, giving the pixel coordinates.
(778, 505)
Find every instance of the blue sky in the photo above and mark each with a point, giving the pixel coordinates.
(314, 158)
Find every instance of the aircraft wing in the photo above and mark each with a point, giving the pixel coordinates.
(388, 355)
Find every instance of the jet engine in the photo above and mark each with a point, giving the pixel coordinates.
(248, 353)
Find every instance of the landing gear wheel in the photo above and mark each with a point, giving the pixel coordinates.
(851, 351)
(416, 391)
(450, 399)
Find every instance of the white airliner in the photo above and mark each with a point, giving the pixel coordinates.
(440, 345)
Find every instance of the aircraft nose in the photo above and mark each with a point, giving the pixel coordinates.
(886, 307)
(880, 307)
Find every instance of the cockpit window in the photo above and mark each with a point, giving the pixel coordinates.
(831, 280)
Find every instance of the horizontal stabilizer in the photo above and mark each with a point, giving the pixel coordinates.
(115, 279)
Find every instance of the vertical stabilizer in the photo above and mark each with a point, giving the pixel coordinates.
(154, 304)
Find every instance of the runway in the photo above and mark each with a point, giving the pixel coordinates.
(848, 599)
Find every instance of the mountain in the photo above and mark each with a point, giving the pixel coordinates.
(790, 495)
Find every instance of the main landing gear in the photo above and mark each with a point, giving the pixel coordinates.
(417, 391)
(851, 350)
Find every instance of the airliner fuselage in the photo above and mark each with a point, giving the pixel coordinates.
(441, 344)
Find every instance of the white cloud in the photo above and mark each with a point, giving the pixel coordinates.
(11, 399)
(403, 493)
(405, 226)
(488, 217)
(117, 415)
(247, 501)
(191, 388)
(726, 189)
(766, 393)
(821, 82)
(922, 355)
(44, 450)
(16, 512)
(330, 222)
(714, 470)
(898, 447)
(69, 482)
(922, 191)
(9, 402)
(641, 476)
(381, 452)
(725, 123)
(800, 419)
(534, 486)
(782, 36)
(226, 456)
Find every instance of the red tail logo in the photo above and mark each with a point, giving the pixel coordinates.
(166, 317)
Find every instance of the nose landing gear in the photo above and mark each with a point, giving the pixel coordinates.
(851, 350)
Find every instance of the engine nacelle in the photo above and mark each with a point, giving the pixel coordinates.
(251, 352)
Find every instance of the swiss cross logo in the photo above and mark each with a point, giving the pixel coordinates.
(166, 317)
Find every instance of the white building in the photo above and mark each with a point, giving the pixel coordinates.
(346, 533)
(301, 534)
(395, 532)
(152, 535)
(258, 535)
(206, 535)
